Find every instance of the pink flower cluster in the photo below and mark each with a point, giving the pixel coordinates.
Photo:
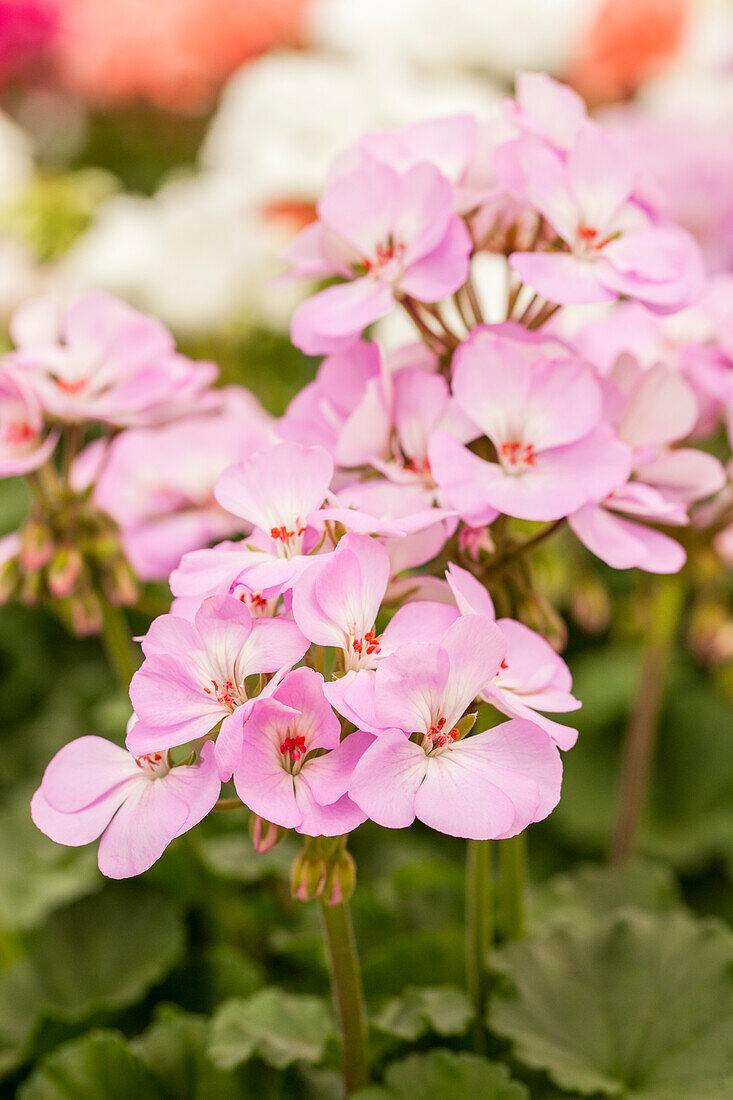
(340, 660)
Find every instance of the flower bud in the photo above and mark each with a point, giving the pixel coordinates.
(474, 541)
(340, 879)
(36, 545)
(264, 834)
(590, 606)
(85, 613)
(32, 589)
(120, 583)
(307, 875)
(63, 572)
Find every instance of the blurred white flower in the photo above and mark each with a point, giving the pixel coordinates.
(495, 36)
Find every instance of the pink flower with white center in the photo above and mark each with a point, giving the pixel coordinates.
(544, 419)
(546, 109)
(137, 804)
(613, 247)
(336, 600)
(532, 677)
(23, 444)
(652, 409)
(158, 483)
(387, 233)
(489, 785)
(279, 491)
(99, 359)
(294, 769)
(197, 674)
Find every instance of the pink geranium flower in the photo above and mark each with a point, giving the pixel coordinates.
(532, 677)
(24, 445)
(613, 247)
(652, 409)
(158, 483)
(99, 359)
(137, 804)
(387, 233)
(294, 769)
(488, 785)
(279, 492)
(544, 419)
(336, 600)
(544, 108)
(195, 674)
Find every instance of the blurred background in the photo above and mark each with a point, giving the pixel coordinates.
(167, 152)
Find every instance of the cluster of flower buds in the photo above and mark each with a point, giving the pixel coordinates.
(351, 656)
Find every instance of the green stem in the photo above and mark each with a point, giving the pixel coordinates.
(512, 874)
(118, 642)
(664, 610)
(479, 931)
(347, 993)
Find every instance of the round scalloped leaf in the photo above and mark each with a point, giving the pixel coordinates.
(596, 890)
(279, 1027)
(174, 1050)
(444, 1010)
(639, 1006)
(445, 1075)
(98, 1065)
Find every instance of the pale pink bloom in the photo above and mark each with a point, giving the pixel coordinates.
(415, 531)
(532, 677)
(453, 145)
(279, 492)
(336, 600)
(195, 674)
(386, 232)
(294, 769)
(652, 409)
(24, 443)
(137, 804)
(544, 419)
(544, 108)
(96, 358)
(614, 248)
(158, 483)
(489, 785)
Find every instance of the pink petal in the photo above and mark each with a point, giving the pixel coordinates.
(470, 595)
(387, 778)
(623, 544)
(84, 771)
(281, 485)
(81, 826)
(442, 271)
(561, 277)
(141, 830)
(335, 819)
(335, 317)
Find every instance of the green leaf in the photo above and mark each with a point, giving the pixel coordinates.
(444, 1010)
(280, 1027)
(639, 1006)
(434, 956)
(36, 875)
(174, 1050)
(595, 890)
(232, 855)
(106, 951)
(19, 1014)
(443, 1075)
(99, 1065)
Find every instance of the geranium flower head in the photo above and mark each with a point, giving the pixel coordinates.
(137, 804)
(294, 770)
(385, 232)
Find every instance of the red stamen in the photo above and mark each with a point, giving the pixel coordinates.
(295, 746)
(17, 432)
(71, 386)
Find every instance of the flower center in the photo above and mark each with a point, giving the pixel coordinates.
(17, 432)
(516, 456)
(293, 749)
(227, 693)
(153, 764)
(588, 240)
(71, 385)
(439, 737)
(360, 651)
(290, 540)
(388, 253)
